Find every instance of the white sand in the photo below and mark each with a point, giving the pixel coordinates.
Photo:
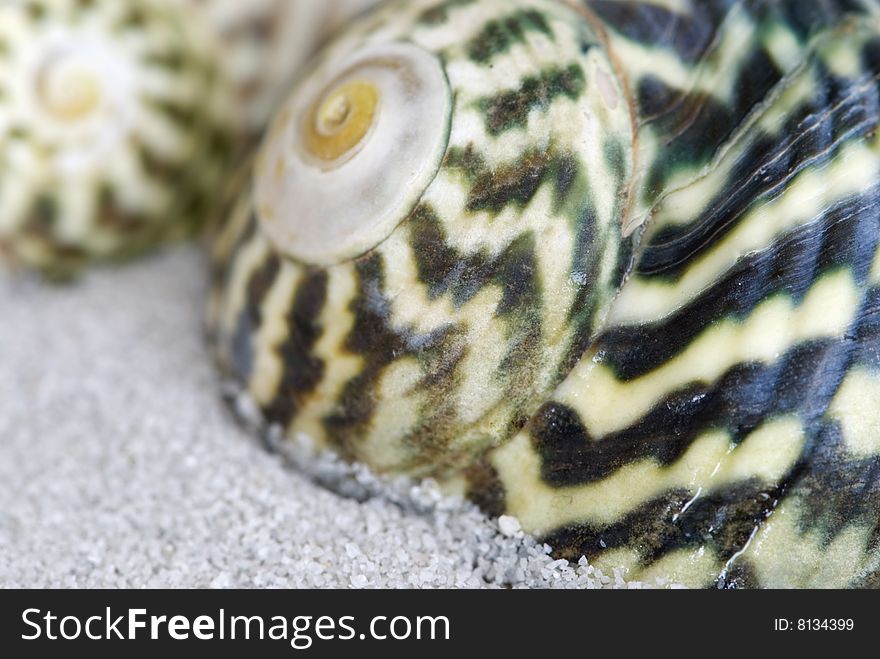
(120, 467)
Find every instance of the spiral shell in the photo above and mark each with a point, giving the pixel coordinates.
(628, 291)
(114, 129)
(119, 122)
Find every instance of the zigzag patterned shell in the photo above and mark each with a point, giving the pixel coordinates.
(635, 299)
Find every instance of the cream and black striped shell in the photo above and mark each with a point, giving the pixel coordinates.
(120, 120)
(609, 266)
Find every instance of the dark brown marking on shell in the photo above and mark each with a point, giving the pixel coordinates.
(740, 575)
(35, 12)
(110, 214)
(868, 581)
(222, 268)
(444, 270)
(485, 488)
(379, 343)
(656, 99)
(440, 267)
(133, 19)
(499, 36)
(302, 370)
(517, 275)
(722, 521)
(510, 109)
(517, 183)
(467, 160)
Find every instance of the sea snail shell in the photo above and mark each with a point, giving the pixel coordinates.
(609, 267)
(115, 129)
(119, 121)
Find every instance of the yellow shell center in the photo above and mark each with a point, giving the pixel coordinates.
(69, 91)
(339, 121)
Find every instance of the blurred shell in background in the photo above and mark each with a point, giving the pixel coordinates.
(120, 121)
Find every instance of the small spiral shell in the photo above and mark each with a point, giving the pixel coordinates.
(119, 121)
(115, 130)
